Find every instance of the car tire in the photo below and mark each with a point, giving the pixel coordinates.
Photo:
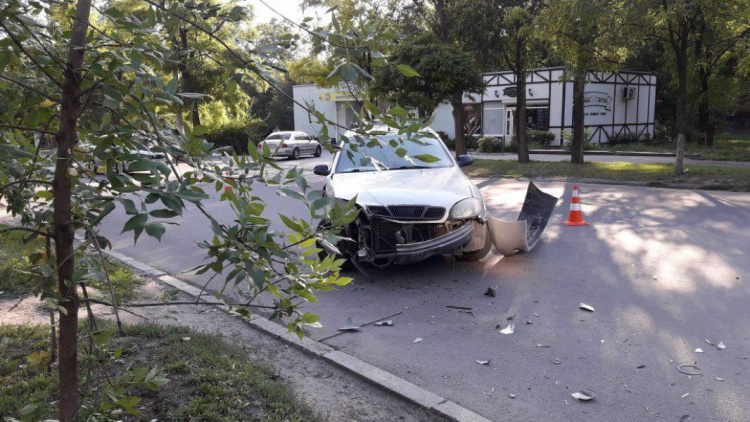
(478, 254)
(347, 265)
(318, 152)
(295, 154)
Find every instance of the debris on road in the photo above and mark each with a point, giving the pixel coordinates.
(467, 312)
(510, 329)
(640, 366)
(721, 345)
(491, 292)
(542, 345)
(699, 350)
(417, 340)
(463, 308)
(537, 315)
(710, 342)
(511, 395)
(527, 322)
(584, 395)
(718, 379)
(484, 362)
(186, 339)
(349, 325)
(685, 395)
(694, 366)
(388, 323)
(510, 318)
(586, 307)
(556, 361)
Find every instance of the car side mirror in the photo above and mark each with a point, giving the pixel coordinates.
(321, 170)
(465, 160)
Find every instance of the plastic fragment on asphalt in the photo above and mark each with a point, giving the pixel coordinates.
(385, 323)
(721, 345)
(349, 325)
(542, 345)
(584, 395)
(537, 315)
(510, 329)
(694, 366)
(527, 322)
(685, 395)
(484, 362)
(710, 342)
(463, 308)
(586, 307)
(719, 379)
(417, 340)
(640, 366)
(699, 350)
(491, 292)
(556, 361)
(511, 395)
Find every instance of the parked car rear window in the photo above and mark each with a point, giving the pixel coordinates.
(278, 136)
(383, 157)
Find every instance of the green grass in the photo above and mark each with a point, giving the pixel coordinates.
(15, 266)
(698, 176)
(727, 147)
(209, 379)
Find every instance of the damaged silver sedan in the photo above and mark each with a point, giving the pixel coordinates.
(414, 202)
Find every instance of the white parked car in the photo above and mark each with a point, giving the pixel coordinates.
(411, 209)
(291, 144)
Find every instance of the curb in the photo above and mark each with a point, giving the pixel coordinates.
(364, 370)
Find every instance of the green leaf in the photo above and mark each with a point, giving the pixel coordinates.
(406, 70)
(164, 213)
(200, 130)
(427, 158)
(129, 205)
(191, 196)
(155, 230)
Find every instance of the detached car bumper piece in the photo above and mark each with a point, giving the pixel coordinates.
(510, 237)
(446, 243)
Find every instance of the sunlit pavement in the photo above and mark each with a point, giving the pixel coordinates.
(664, 269)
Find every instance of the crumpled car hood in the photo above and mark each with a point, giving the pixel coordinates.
(435, 187)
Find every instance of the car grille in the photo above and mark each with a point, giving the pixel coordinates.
(385, 236)
(409, 212)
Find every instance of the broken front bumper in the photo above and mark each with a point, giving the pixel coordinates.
(444, 244)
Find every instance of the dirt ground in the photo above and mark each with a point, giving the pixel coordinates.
(326, 388)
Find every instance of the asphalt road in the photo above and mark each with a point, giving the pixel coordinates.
(664, 269)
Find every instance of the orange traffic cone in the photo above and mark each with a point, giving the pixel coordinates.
(227, 186)
(575, 216)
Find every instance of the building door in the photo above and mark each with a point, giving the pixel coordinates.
(510, 117)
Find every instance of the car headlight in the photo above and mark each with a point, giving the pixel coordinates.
(466, 209)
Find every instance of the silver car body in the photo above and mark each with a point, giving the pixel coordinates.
(406, 214)
(284, 144)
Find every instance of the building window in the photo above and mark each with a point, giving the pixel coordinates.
(537, 118)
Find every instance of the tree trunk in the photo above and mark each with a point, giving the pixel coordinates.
(458, 122)
(195, 116)
(704, 114)
(579, 87)
(681, 108)
(523, 147)
(520, 67)
(63, 230)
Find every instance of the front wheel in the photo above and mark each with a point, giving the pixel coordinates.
(295, 154)
(347, 265)
(318, 151)
(478, 254)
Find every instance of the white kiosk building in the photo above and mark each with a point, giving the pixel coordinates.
(616, 104)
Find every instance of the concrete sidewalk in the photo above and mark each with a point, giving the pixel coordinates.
(611, 159)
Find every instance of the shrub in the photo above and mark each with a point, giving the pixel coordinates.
(489, 144)
(236, 135)
(450, 143)
(472, 142)
(624, 138)
(540, 137)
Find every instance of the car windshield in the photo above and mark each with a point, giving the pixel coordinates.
(408, 154)
(278, 136)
